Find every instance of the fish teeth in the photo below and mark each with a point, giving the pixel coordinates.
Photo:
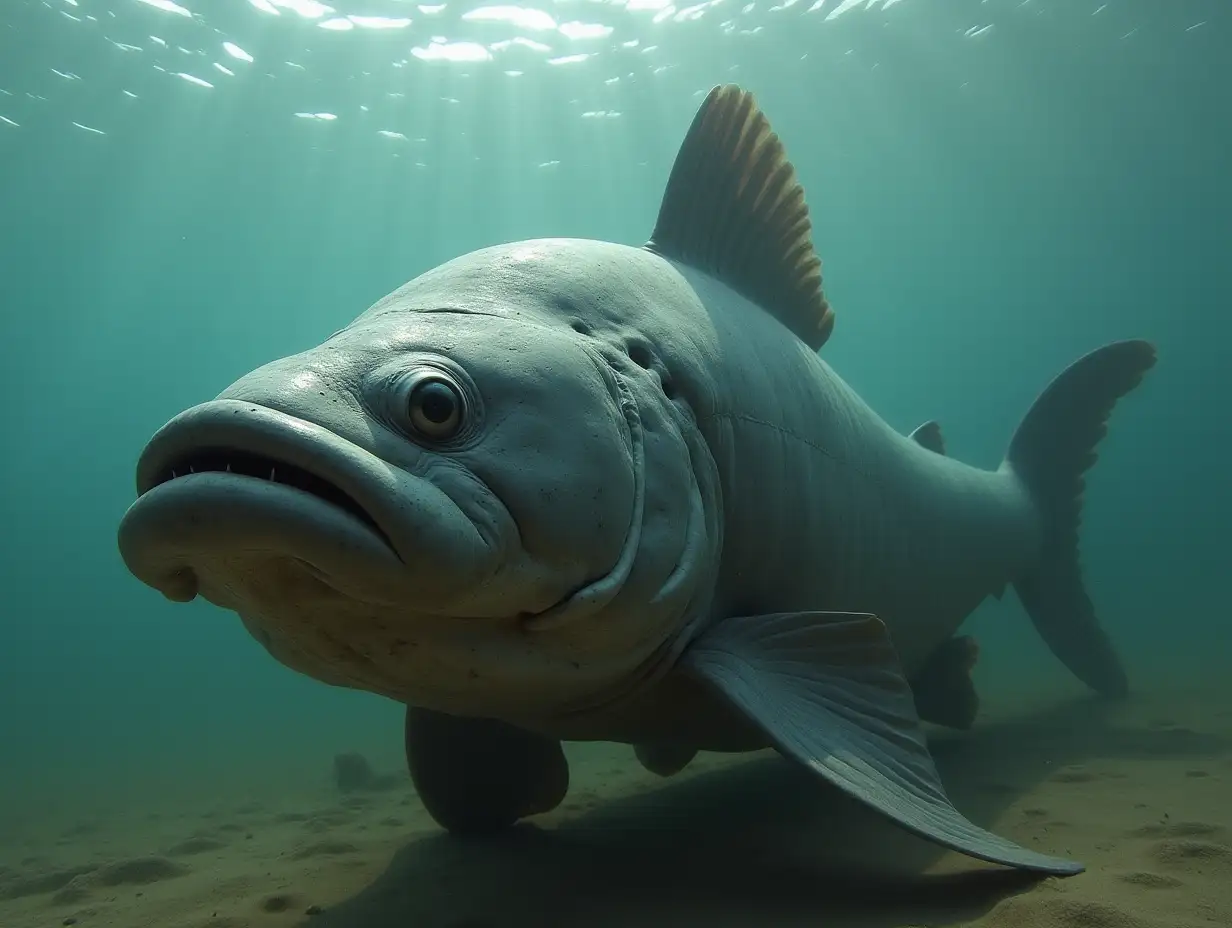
(272, 476)
(228, 467)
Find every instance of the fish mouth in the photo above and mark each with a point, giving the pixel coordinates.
(241, 463)
(232, 493)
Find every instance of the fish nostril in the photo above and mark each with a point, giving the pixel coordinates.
(640, 355)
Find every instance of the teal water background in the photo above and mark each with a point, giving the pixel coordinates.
(187, 191)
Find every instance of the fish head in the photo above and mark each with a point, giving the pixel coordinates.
(459, 501)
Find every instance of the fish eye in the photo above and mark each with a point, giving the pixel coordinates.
(435, 408)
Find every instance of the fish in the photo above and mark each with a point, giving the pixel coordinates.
(575, 490)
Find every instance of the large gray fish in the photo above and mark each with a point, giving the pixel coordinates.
(574, 490)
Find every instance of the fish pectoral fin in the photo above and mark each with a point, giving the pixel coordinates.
(828, 691)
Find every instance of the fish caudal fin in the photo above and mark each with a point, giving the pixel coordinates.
(1051, 451)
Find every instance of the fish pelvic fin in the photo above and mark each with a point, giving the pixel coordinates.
(1050, 453)
(943, 689)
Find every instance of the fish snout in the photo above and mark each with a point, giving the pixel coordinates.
(232, 491)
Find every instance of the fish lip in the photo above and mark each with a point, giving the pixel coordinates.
(245, 428)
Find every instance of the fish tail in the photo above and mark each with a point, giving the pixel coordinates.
(1051, 451)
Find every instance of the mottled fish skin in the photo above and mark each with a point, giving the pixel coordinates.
(573, 489)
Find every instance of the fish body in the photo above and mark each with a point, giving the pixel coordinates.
(566, 489)
(828, 507)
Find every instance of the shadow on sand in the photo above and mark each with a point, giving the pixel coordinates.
(760, 842)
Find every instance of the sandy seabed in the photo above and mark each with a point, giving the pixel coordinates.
(1140, 791)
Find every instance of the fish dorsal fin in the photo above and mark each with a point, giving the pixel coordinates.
(734, 209)
(929, 436)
